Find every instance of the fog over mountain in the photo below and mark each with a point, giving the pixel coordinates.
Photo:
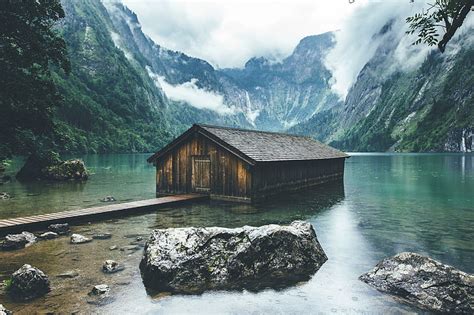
(228, 33)
(362, 87)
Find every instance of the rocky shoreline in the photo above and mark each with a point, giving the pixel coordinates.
(195, 260)
(424, 282)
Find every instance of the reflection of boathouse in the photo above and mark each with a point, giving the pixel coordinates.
(243, 165)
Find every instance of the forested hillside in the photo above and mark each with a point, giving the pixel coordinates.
(127, 93)
(430, 108)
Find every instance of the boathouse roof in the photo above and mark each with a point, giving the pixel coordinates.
(259, 146)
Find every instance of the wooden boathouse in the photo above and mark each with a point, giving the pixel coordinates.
(243, 165)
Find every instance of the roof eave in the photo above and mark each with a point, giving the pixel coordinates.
(197, 128)
(171, 145)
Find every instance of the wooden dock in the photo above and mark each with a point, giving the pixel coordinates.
(88, 214)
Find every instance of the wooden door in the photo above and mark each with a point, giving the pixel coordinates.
(201, 177)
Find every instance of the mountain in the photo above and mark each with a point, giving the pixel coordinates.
(428, 108)
(264, 94)
(128, 93)
(111, 102)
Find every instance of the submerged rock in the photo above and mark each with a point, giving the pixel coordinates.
(130, 248)
(108, 199)
(68, 274)
(100, 289)
(111, 266)
(28, 283)
(100, 295)
(17, 241)
(191, 260)
(102, 236)
(80, 239)
(60, 228)
(4, 311)
(48, 235)
(424, 282)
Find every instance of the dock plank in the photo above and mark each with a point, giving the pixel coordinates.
(41, 220)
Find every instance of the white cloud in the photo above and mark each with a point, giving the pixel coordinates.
(360, 37)
(229, 32)
(190, 93)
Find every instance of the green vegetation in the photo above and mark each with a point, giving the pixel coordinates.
(28, 95)
(7, 284)
(446, 14)
(413, 123)
(109, 105)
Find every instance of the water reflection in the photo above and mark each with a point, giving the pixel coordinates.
(282, 209)
(388, 203)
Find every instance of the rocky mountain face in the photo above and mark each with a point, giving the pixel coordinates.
(426, 108)
(125, 86)
(265, 95)
(284, 93)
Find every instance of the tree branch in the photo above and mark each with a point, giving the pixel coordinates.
(456, 23)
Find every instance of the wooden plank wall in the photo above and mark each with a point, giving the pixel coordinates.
(230, 176)
(274, 177)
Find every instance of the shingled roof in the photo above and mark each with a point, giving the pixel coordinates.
(261, 146)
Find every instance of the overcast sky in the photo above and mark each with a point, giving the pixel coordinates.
(229, 32)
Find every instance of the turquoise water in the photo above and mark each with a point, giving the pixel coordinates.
(389, 203)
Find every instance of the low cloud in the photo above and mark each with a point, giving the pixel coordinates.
(360, 37)
(191, 94)
(227, 33)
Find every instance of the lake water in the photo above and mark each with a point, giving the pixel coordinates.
(389, 203)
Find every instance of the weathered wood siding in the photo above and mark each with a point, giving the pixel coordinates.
(270, 178)
(230, 177)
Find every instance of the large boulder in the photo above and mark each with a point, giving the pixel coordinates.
(424, 282)
(48, 165)
(69, 169)
(17, 241)
(28, 283)
(191, 260)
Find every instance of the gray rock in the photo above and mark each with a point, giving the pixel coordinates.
(80, 239)
(68, 274)
(48, 235)
(424, 282)
(28, 283)
(102, 236)
(4, 196)
(191, 260)
(111, 266)
(130, 248)
(100, 289)
(100, 295)
(60, 228)
(73, 169)
(17, 241)
(108, 199)
(4, 311)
